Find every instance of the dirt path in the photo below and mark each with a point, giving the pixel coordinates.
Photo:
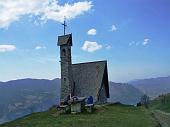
(162, 117)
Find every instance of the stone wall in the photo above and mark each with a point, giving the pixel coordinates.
(102, 95)
(66, 71)
(88, 78)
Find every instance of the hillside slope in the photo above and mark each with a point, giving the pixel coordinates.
(124, 93)
(153, 86)
(160, 107)
(161, 103)
(104, 116)
(25, 96)
(22, 97)
(162, 117)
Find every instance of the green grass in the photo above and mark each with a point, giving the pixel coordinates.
(104, 116)
(161, 103)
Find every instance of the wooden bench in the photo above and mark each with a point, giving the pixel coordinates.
(64, 108)
(89, 107)
(77, 105)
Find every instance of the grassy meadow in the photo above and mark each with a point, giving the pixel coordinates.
(103, 116)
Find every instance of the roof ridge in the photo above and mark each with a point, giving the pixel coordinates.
(67, 35)
(91, 62)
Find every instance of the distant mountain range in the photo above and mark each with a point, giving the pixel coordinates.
(124, 93)
(153, 87)
(22, 97)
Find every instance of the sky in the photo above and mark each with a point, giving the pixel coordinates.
(132, 35)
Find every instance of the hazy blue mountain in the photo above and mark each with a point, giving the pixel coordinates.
(22, 97)
(153, 86)
(124, 93)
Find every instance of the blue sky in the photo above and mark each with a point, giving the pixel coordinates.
(132, 35)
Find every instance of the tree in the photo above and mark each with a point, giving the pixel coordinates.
(145, 101)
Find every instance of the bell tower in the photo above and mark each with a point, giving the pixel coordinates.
(65, 43)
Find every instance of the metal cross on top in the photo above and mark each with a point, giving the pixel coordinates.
(65, 25)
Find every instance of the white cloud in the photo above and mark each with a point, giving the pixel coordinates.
(92, 32)
(135, 43)
(13, 10)
(91, 46)
(146, 41)
(108, 47)
(7, 48)
(132, 43)
(40, 47)
(113, 28)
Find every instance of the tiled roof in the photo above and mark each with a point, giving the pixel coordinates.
(89, 77)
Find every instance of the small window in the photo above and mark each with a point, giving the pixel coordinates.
(64, 80)
(63, 52)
